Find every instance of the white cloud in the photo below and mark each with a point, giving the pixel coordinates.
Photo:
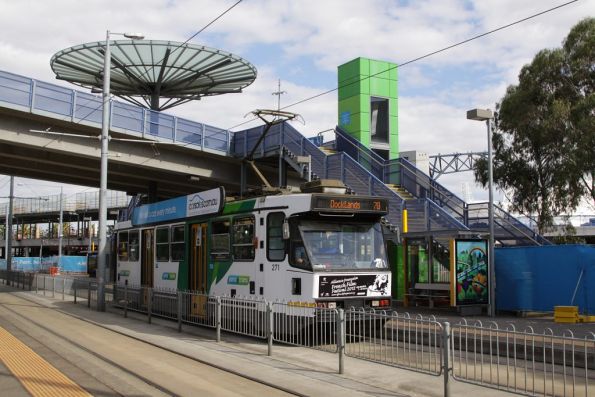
(320, 33)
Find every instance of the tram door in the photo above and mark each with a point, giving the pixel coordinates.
(147, 261)
(198, 268)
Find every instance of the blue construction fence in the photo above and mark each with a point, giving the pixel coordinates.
(539, 278)
(68, 264)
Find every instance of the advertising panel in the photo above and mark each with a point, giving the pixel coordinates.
(207, 202)
(364, 285)
(472, 285)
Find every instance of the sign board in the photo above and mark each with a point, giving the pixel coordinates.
(364, 285)
(471, 275)
(196, 204)
(349, 204)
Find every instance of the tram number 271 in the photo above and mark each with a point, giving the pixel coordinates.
(275, 267)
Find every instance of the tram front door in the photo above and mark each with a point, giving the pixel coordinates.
(147, 258)
(198, 269)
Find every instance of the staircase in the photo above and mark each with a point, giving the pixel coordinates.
(431, 207)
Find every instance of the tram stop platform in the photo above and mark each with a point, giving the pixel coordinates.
(293, 370)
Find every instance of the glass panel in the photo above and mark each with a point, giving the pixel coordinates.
(379, 119)
(123, 246)
(243, 239)
(275, 242)
(162, 242)
(133, 245)
(344, 245)
(177, 243)
(220, 239)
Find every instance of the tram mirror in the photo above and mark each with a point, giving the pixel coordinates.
(285, 230)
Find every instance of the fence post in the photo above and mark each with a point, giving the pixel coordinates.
(74, 288)
(53, 287)
(218, 319)
(179, 311)
(149, 304)
(445, 358)
(37, 283)
(341, 339)
(126, 299)
(63, 288)
(270, 328)
(89, 295)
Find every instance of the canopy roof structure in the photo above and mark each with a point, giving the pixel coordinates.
(162, 74)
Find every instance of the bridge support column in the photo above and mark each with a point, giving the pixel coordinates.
(152, 192)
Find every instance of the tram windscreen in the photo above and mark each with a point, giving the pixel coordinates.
(343, 246)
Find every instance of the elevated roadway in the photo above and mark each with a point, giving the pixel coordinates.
(185, 157)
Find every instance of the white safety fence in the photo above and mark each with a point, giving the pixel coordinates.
(519, 361)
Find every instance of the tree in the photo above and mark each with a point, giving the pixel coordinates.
(544, 138)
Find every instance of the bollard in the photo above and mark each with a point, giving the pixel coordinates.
(179, 311)
(218, 319)
(270, 328)
(445, 354)
(74, 288)
(341, 339)
(126, 299)
(149, 304)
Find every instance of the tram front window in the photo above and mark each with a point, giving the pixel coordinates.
(342, 246)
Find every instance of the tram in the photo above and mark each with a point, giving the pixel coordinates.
(317, 249)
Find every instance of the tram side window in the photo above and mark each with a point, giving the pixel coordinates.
(123, 246)
(133, 245)
(162, 244)
(220, 240)
(177, 243)
(275, 242)
(243, 239)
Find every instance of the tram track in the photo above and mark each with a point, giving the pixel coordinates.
(134, 374)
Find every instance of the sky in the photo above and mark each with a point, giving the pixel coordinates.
(301, 42)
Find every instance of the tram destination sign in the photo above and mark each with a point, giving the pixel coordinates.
(354, 285)
(349, 204)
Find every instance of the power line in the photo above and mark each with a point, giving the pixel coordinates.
(420, 57)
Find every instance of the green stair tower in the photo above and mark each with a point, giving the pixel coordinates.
(368, 107)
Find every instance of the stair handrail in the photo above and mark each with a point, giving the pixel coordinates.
(426, 182)
(451, 219)
(511, 222)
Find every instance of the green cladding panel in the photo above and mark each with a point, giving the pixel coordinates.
(359, 81)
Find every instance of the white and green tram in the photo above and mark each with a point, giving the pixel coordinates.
(310, 249)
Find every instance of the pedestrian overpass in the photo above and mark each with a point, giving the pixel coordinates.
(185, 156)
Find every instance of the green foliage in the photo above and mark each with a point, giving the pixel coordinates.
(545, 134)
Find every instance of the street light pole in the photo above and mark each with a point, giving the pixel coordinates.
(487, 116)
(105, 121)
(101, 249)
(61, 229)
(9, 227)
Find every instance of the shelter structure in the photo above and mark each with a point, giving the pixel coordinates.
(153, 73)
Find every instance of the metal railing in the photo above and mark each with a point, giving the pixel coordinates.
(395, 339)
(34, 96)
(522, 362)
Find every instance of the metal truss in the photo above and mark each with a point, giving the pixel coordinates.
(442, 164)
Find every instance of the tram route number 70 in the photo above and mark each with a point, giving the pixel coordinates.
(275, 267)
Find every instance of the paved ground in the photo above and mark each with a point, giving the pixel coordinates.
(108, 354)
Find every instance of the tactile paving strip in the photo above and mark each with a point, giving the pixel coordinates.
(38, 376)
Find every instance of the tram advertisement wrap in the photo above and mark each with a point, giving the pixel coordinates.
(472, 272)
(354, 285)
